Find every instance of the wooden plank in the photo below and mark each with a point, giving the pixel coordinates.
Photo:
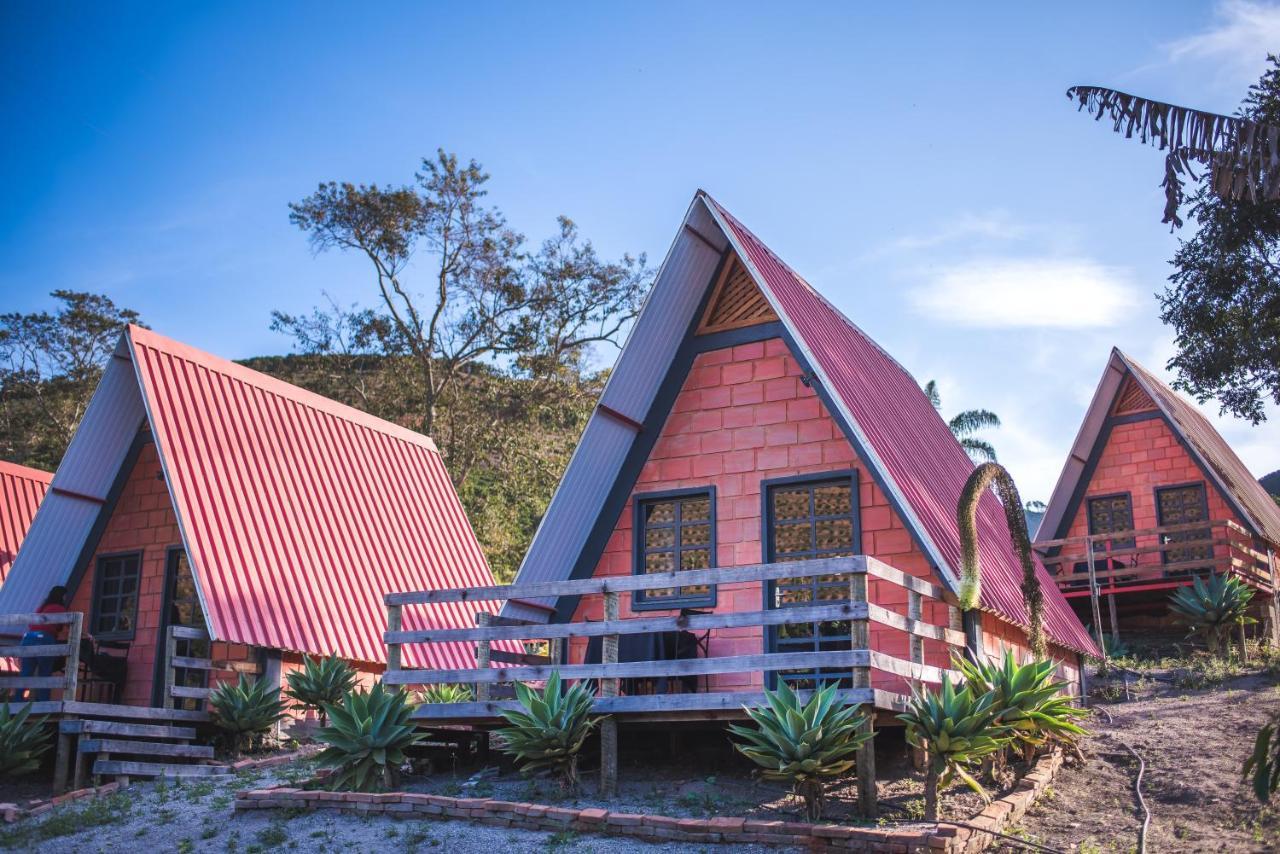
(117, 728)
(483, 651)
(395, 617)
(501, 656)
(157, 769)
(631, 583)
(859, 629)
(884, 572)
(639, 625)
(44, 650)
(145, 748)
(113, 710)
(885, 617)
(609, 688)
(865, 761)
(71, 668)
(909, 669)
(34, 682)
(190, 693)
(65, 618)
(644, 703)
(636, 669)
(170, 653)
(188, 633)
(44, 707)
(189, 663)
(1133, 533)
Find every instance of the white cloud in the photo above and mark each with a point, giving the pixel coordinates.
(1006, 293)
(1238, 41)
(992, 225)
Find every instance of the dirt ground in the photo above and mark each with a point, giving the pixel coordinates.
(1193, 742)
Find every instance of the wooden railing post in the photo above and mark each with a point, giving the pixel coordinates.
(609, 688)
(74, 633)
(1093, 597)
(860, 638)
(484, 649)
(395, 619)
(170, 675)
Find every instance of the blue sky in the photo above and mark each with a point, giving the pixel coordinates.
(918, 164)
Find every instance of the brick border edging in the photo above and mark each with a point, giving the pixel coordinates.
(948, 838)
(14, 812)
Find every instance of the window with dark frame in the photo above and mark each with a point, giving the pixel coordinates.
(1108, 514)
(115, 604)
(811, 518)
(1184, 505)
(675, 531)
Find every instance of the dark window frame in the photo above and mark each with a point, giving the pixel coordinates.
(640, 600)
(1204, 511)
(1123, 543)
(96, 612)
(853, 476)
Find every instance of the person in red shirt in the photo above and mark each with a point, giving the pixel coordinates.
(39, 634)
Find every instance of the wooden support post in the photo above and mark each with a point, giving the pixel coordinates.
(62, 762)
(1275, 599)
(1093, 597)
(860, 638)
(555, 651)
(81, 765)
(483, 655)
(72, 671)
(609, 688)
(1115, 621)
(170, 652)
(394, 618)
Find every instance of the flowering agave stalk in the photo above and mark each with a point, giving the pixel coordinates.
(955, 729)
(1027, 700)
(547, 733)
(1212, 608)
(803, 743)
(321, 681)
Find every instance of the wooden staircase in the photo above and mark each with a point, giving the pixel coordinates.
(122, 750)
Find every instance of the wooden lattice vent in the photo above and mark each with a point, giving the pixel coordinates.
(1132, 399)
(736, 302)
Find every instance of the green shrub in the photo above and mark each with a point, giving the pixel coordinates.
(367, 736)
(1027, 700)
(1262, 768)
(548, 733)
(446, 693)
(802, 743)
(955, 729)
(246, 710)
(1210, 609)
(22, 740)
(321, 681)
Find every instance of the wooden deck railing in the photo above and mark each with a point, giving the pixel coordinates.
(174, 662)
(858, 661)
(70, 650)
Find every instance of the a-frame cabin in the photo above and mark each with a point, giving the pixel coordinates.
(749, 422)
(1151, 497)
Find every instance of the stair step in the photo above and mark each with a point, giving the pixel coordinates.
(176, 733)
(113, 768)
(152, 748)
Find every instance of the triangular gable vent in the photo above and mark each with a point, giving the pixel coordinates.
(736, 302)
(1132, 399)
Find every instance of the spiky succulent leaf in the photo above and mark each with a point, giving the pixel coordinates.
(22, 740)
(367, 736)
(446, 693)
(549, 729)
(1210, 607)
(956, 727)
(247, 707)
(321, 681)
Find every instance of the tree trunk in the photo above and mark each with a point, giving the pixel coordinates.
(931, 792)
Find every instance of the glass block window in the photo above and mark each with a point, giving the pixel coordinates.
(1184, 505)
(675, 532)
(811, 519)
(115, 605)
(1110, 513)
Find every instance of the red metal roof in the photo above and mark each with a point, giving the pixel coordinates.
(300, 513)
(21, 489)
(917, 453)
(1238, 484)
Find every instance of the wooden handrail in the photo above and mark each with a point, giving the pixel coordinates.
(1041, 545)
(74, 620)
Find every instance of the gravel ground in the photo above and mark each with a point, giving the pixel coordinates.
(195, 817)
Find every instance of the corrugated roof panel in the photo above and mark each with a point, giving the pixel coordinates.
(917, 453)
(299, 513)
(21, 489)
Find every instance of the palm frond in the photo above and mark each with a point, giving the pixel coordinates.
(979, 450)
(973, 420)
(1242, 155)
(931, 392)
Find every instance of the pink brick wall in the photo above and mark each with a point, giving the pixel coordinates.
(743, 416)
(1139, 457)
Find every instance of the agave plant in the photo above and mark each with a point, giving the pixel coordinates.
(319, 682)
(548, 731)
(1210, 608)
(246, 710)
(955, 729)
(1027, 700)
(446, 692)
(22, 740)
(368, 734)
(803, 743)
